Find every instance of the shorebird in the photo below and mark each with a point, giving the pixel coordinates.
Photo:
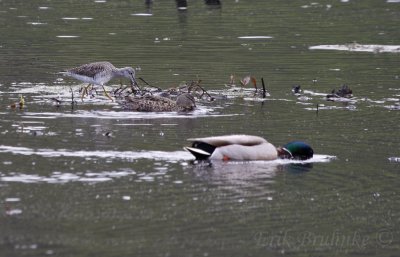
(99, 73)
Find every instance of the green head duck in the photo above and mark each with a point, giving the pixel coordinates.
(296, 150)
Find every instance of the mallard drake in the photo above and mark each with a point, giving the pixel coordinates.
(246, 147)
(153, 103)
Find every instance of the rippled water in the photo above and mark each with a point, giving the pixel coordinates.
(97, 180)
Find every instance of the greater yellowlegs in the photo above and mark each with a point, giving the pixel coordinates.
(99, 73)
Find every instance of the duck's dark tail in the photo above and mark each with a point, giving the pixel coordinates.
(201, 150)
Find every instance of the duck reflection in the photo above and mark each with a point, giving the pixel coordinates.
(245, 172)
(237, 182)
(182, 4)
(149, 5)
(298, 167)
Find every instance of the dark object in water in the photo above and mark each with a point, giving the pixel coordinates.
(296, 89)
(151, 103)
(182, 4)
(212, 2)
(108, 134)
(264, 93)
(345, 92)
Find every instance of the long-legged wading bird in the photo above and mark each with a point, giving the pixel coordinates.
(99, 73)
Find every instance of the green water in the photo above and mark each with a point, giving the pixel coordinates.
(66, 189)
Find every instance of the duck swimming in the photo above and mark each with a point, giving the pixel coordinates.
(153, 103)
(246, 147)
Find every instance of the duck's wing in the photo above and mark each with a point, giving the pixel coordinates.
(264, 151)
(219, 141)
(148, 103)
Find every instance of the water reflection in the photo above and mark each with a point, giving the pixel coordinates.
(252, 171)
(64, 177)
(149, 6)
(298, 167)
(182, 4)
(130, 155)
(239, 173)
(354, 47)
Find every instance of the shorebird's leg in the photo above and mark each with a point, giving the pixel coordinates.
(85, 91)
(72, 98)
(105, 92)
(120, 89)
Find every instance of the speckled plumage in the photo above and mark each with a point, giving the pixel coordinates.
(152, 103)
(99, 73)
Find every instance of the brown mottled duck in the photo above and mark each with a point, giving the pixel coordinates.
(153, 103)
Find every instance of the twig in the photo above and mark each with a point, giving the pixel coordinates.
(197, 84)
(72, 98)
(149, 84)
(120, 90)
